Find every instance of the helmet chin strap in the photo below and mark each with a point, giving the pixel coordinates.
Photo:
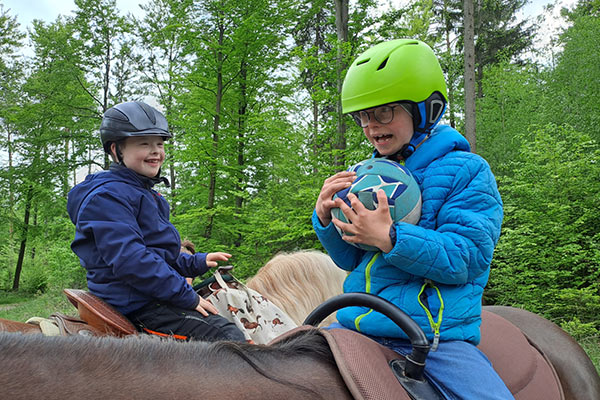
(119, 155)
(408, 149)
(426, 116)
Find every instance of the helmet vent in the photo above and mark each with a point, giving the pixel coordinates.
(363, 61)
(382, 65)
(148, 111)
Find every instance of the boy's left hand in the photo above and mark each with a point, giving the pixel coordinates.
(212, 258)
(370, 227)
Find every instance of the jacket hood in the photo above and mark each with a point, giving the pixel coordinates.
(80, 192)
(443, 140)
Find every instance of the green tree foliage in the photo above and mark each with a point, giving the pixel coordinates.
(514, 100)
(499, 34)
(48, 118)
(102, 45)
(575, 82)
(536, 128)
(161, 41)
(548, 258)
(250, 90)
(11, 79)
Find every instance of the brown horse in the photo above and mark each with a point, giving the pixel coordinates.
(35, 366)
(67, 367)
(578, 376)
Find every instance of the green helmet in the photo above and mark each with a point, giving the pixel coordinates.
(402, 70)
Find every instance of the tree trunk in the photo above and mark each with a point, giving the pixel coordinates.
(65, 178)
(341, 24)
(242, 107)
(315, 103)
(470, 117)
(11, 194)
(447, 32)
(212, 179)
(106, 88)
(169, 112)
(19, 266)
(240, 179)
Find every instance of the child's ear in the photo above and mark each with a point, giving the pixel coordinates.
(113, 151)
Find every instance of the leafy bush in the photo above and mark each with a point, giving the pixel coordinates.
(63, 268)
(548, 256)
(579, 330)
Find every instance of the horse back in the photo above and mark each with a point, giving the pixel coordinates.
(525, 370)
(578, 376)
(15, 326)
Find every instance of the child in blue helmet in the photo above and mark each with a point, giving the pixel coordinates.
(127, 244)
(434, 271)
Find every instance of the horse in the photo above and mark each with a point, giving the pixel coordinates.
(297, 282)
(576, 372)
(34, 366)
(296, 366)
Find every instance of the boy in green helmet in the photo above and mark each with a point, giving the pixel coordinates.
(434, 271)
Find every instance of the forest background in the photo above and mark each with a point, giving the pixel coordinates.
(251, 92)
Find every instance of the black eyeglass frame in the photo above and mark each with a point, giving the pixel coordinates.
(357, 115)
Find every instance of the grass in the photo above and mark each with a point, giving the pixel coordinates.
(591, 345)
(20, 306)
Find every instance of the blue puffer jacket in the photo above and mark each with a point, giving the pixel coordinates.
(126, 243)
(447, 255)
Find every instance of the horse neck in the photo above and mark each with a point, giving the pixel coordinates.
(139, 368)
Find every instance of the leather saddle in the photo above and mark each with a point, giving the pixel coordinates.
(365, 364)
(101, 316)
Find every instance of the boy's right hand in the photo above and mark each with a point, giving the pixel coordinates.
(331, 186)
(204, 306)
(212, 258)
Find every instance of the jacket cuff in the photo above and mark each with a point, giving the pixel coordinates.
(393, 236)
(196, 302)
(200, 260)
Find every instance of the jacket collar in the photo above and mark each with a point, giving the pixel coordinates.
(443, 140)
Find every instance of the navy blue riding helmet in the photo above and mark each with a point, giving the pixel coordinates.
(133, 118)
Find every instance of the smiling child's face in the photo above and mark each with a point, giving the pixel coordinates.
(144, 154)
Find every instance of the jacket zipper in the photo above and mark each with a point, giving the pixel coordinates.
(367, 289)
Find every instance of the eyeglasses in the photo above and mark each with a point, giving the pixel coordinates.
(382, 114)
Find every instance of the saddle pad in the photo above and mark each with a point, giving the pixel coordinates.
(100, 314)
(524, 369)
(364, 366)
(362, 362)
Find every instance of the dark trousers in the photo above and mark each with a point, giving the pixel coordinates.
(168, 320)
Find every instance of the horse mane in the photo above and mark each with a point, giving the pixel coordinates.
(298, 282)
(141, 363)
(188, 247)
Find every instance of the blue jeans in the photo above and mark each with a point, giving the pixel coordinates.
(457, 368)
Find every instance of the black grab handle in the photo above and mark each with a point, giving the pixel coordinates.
(415, 362)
